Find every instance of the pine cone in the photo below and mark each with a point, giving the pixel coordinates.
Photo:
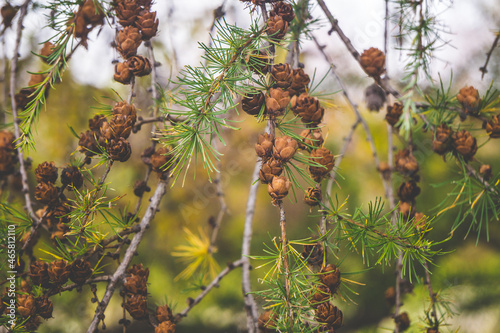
(312, 197)
(164, 313)
(121, 126)
(259, 62)
(373, 62)
(140, 187)
(393, 114)
(44, 307)
(492, 127)
(405, 163)
(278, 188)
(270, 169)
(312, 137)
(402, 321)
(276, 102)
(32, 323)
(7, 140)
(252, 104)
(284, 10)
(8, 13)
(330, 276)
(300, 80)
(7, 162)
(46, 193)
(469, 98)
(128, 41)
(375, 97)
(127, 11)
(276, 28)
(26, 305)
(406, 210)
(486, 171)
(162, 159)
(282, 76)
(148, 23)
(442, 143)
(58, 272)
(322, 295)
(47, 51)
(39, 273)
(308, 109)
(72, 176)
(56, 214)
(267, 321)
(323, 157)
(95, 122)
(122, 73)
(139, 66)
(119, 150)
(390, 296)
(264, 146)
(465, 144)
(46, 172)
(384, 169)
(330, 315)
(91, 14)
(284, 148)
(138, 270)
(80, 29)
(136, 284)
(80, 271)
(88, 143)
(137, 306)
(165, 327)
(313, 254)
(408, 191)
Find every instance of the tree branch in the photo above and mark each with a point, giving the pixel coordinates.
(484, 69)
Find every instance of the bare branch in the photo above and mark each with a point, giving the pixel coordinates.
(484, 69)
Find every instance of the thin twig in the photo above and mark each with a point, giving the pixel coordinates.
(484, 69)
(284, 247)
(103, 278)
(223, 206)
(432, 296)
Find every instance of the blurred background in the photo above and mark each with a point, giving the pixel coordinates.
(469, 276)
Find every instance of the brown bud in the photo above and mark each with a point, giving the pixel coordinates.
(148, 23)
(390, 296)
(375, 97)
(384, 169)
(32, 323)
(406, 210)
(23, 98)
(313, 253)
(7, 162)
(419, 221)
(408, 191)
(164, 313)
(165, 327)
(44, 307)
(486, 171)
(58, 272)
(402, 321)
(122, 73)
(162, 159)
(284, 148)
(252, 104)
(276, 27)
(128, 41)
(137, 306)
(276, 102)
(140, 187)
(300, 80)
(26, 305)
(8, 13)
(312, 197)
(269, 170)
(464, 144)
(312, 137)
(321, 296)
(267, 321)
(283, 9)
(119, 150)
(492, 127)
(264, 145)
(95, 123)
(39, 273)
(127, 11)
(89, 142)
(80, 271)
(442, 143)
(138, 270)
(139, 66)
(469, 98)
(282, 75)
(46, 193)
(307, 108)
(393, 114)
(47, 51)
(7, 140)
(93, 15)
(46, 172)
(323, 157)
(72, 176)
(373, 62)
(330, 276)
(405, 163)
(278, 188)
(329, 314)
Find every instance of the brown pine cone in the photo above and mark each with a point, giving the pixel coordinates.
(278, 188)
(119, 149)
(375, 97)
(164, 313)
(312, 197)
(308, 109)
(60, 232)
(373, 62)
(264, 146)
(46, 172)
(139, 66)
(384, 169)
(95, 122)
(312, 137)
(128, 41)
(442, 143)
(408, 191)
(32, 323)
(281, 75)
(252, 104)
(267, 321)
(283, 9)
(492, 127)
(121, 126)
(390, 296)
(330, 276)
(276, 28)
(44, 307)
(80, 271)
(47, 51)
(23, 98)
(300, 80)
(81, 28)
(59, 272)
(313, 254)
(7, 162)
(393, 114)
(26, 305)
(137, 306)
(330, 315)
(464, 144)
(402, 321)
(91, 14)
(276, 102)
(88, 143)
(140, 187)
(162, 160)
(122, 73)
(469, 98)
(127, 11)
(321, 296)
(405, 163)
(125, 109)
(406, 210)
(136, 284)
(46, 193)
(284, 148)
(7, 140)
(8, 13)
(145, 4)
(39, 273)
(72, 176)
(148, 23)
(486, 171)
(138, 270)
(323, 157)
(269, 170)
(56, 214)
(165, 327)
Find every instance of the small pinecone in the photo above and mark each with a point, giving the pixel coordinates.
(300, 80)
(252, 104)
(119, 150)
(330, 315)
(276, 27)
(71, 175)
(91, 14)
(276, 102)
(46, 193)
(96, 122)
(373, 62)
(8, 13)
(330, 276)
(442, 143)
(46, 172)
(126, 12)
(321, 296)
(32, 323)
(402, 321)
(406, 210)
(136, 284)
(393, 114)
(26, 305)
(140, 187)
(128, 41)
(284, 10)
(137, 306)
(282, 75)
(375, 97)
(405, 163)
(323, 157)
(486, 171)
(125, 109)
(408, 191)
(465, 144)
(7, 162)
(259, 62)
(278, 188)
(39, 273)
(46, 51)
(165, 327)
(469, 98)
(120, 126)
(492, 127)
(390, 296)
(139, 66)
(308, 109)
(161, 159)
(59, 272)
(138, 270)
(60, 230)
(57, 214)
(264, 146)
(164, 313)
(270, 169)
(7, 140)
(284, 148)
(384, 169)
(23, 98)
(313, 254)
(148, 23)
(122, 73)
(44, 307)
(267, 321)
(88, 143)
(80, 271)
(312, 196)
(312, 137)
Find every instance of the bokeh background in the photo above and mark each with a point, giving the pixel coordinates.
(469, 276)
